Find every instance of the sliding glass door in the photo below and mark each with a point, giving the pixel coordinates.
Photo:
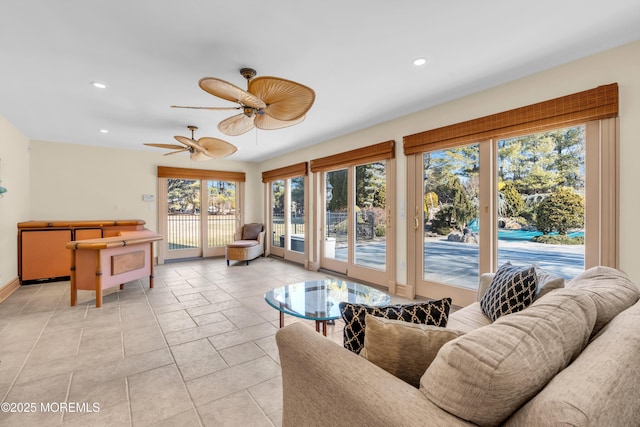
(355, 222)
(197, 216)
(520, 200)
(288, 224)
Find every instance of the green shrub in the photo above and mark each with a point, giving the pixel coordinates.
(380, 230)
(559, 239)
(561, 211)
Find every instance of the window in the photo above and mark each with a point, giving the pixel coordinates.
(499, 181)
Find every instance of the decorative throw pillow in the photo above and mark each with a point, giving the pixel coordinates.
(251, 231)
(511, 290)
(403, 349)
(434, 313)
(547, 282)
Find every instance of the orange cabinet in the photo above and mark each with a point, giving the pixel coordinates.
(42, 252)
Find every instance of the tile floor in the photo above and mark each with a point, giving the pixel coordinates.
(196, 350)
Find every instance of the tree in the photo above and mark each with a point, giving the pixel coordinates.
(183, 195)
(513, 202)
(278, 197)
(430, 202)
(560, 211)
(338, 181)
(371, 185)
(458, 209)
(569, 156)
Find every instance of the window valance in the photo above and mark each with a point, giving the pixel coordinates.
(186, 173)
(570, 110)
(299, 169)
(371, 153)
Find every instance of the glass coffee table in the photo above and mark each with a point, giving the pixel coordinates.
(319, 300)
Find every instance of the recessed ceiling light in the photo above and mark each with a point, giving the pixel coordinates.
(419, 61)
(99, 85)
(104, 131)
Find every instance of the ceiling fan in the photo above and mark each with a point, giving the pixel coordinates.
(268, 103)
(203, 149)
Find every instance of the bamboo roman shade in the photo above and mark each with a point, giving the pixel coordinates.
(299, 169)
(570, 110)
(185, 173)
(372, 153)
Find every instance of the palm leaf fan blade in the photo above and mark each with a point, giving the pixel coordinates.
(285, 100)
(266, 122)
(176, 152)
(217, 148)
(199, 156)
(236, 125)
(230, 92)
(169, 146)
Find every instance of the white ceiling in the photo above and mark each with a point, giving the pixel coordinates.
(356, 55)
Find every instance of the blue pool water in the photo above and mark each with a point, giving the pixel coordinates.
(519, 235)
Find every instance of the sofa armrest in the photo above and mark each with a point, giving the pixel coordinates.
(324, 384)
(261, 238)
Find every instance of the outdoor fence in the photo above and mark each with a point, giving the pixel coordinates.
(184, 231)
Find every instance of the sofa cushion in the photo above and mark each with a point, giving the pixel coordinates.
(611, 290)
(251, 231)
(511, 289)
(467, 319)
(242, 244)
(430, 313)
(485, 375)
(599, 388)
(403, 349)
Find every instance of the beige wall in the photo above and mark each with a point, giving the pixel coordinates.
(80, 182)
(14, 206)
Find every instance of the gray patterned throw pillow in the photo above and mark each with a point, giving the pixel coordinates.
(511, 290)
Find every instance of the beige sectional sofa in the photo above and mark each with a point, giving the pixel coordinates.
(570, 358)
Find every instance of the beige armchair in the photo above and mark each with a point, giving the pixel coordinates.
(248, 243)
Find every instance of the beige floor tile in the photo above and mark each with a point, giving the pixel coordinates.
(46, 391)
(143, 340)
(268, 395)
(243, 317)
(204, 331)
(196, 359)
(215, 317)
(106, 395)
(104, 372)
(212, 308)
(157, 394)
(117, 415)
(242, 336)
(238, 409)
(241, 353)
(185, 419)
(232, 380)
(175, 321)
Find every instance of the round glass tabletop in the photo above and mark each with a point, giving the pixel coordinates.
(320, 299)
